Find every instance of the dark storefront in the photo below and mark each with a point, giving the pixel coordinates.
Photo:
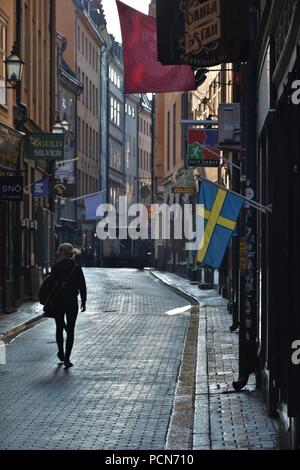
(11, 286)
(278, 234)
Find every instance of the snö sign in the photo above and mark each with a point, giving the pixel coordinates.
(11, 188)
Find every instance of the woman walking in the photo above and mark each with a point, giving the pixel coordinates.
(69, 279)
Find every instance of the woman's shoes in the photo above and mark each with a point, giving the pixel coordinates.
(68, 364)
(61, 356)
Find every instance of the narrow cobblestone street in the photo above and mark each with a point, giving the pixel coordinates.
(120, 392)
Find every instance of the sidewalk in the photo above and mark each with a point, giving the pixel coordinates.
(15, 323)
(224, 419)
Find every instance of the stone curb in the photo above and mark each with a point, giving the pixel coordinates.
(201, 423)
(20, 328)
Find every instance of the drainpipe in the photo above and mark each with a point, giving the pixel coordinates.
(53, 72)
(247, 301)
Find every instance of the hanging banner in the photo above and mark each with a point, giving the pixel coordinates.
(41, 146)
(202, 33)
(202, 148)
(41, 188)
(142, 71)
(65, 178)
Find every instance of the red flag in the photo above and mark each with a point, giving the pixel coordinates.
(142, 71)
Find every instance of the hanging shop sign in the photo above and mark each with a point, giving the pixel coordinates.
(10, 144)
(202, 33)
(11, 188)
(41, 146)
(202, 148)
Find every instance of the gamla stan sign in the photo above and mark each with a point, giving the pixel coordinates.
(202, 26)
(202, 33)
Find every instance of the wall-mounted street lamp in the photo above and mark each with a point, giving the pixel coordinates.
(65, 123)
(14, 67)
(60, 127)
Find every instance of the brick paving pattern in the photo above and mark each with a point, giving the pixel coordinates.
(120, 393)
(224, 419)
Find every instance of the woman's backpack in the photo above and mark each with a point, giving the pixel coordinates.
(45, 289)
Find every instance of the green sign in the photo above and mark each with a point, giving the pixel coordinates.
(48, 147)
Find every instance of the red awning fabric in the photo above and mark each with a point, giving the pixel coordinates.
(143, 72)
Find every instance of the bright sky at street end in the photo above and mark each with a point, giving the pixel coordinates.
(112, 17)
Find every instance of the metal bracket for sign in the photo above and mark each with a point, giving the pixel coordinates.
(12, 171)
(190, 122)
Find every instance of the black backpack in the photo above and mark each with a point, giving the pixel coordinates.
(45, 289)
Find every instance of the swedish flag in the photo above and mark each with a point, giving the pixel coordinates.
(221, 212)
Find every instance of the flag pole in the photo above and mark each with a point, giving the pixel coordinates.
(223, 158)
(87, 196)
(62, 162)
(251, 203)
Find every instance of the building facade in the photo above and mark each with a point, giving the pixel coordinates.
(116, 134)
(68, 89)
(27, 109)
(145, 163)
(132, 103)
(277, 161)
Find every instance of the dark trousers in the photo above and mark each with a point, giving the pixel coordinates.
(66, 318)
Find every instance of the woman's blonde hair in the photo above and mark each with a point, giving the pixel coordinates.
(68, 250)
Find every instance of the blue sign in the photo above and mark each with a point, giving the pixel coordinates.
(41, 188)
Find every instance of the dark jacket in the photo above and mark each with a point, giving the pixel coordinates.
(75, 284)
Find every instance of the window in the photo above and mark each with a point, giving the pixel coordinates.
(115, 111)
(90, 53)
(87, 92)
(79, 133)
(82, 43)
(86, 139)
(3, 49)
(78, 38)
(168, 141)
(94, 144)
(84, 89)
(94, 103)
(91, 143)
(174, 134)
(111, 109)
(97, 104)
(83, 137)
(97, 145)
(118, 114)
(91, 96)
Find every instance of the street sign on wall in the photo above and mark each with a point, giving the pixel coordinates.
(42, 146)
(202, 148)
(11, 188)
(183, 190)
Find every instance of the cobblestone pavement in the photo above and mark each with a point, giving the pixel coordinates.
(224, 420)
(120, 392)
